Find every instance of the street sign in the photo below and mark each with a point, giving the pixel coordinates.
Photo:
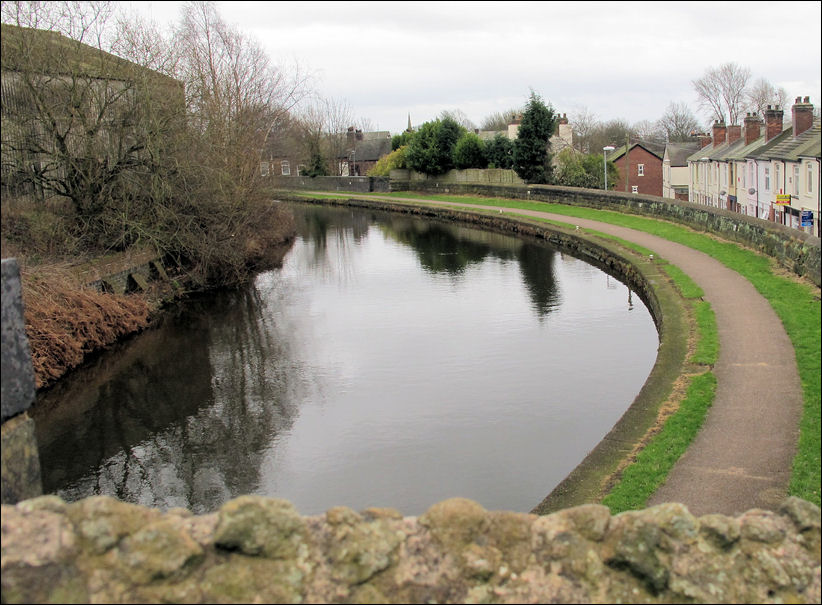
(783, 198)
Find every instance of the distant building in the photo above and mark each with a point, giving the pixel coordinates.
(675, 179)
(772, 175)
(363, 150)
(640, 169)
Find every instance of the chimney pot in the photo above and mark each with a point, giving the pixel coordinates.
(801, 117)
(773, 122)
(807, 99)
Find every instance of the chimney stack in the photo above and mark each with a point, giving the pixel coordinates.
(753, 128)
(773, 122)
(719, 131)
(801, 116)
(734, 133)
(704, 140)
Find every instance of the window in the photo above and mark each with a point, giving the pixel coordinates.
(767, 179)
(640, 169)
(796, 179)
(810, 177)
(300, 169)
(634, 189)
(286, 168)
(777, 178)
(263, 168)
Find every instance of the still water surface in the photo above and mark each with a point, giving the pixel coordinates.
(390, 362)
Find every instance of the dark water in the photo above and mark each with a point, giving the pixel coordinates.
(389, 362)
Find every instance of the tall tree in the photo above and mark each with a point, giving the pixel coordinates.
(678, 123)
(722, 92)
(532, 157)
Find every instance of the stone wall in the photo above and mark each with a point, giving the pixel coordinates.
(261, 550)
(482, 176)
(20, 462)
(795, 250)
(356, 184)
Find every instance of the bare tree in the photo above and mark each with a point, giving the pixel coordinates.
(86, 22)
(584, 123)
(459, 117)
(499, 120)
(762, 93)
(678, 123)
(325, 124)
(722, 92)
(80, 124)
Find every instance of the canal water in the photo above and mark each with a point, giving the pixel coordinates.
(391, 361)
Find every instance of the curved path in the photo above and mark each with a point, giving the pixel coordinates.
(742, 457)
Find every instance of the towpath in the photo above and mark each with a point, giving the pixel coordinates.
(742, 457)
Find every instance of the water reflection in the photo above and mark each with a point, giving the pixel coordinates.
(390, 362)
(179, 417)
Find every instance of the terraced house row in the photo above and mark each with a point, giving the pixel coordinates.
(768, 170)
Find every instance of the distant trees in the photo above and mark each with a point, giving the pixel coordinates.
(387, 163)
(532, 158)
(762, 93)
(469, 152)
(458, 116)
(499, 120)
(575, 169)
(500, 152)
(721, 91)
(678, 123)
(431, 149)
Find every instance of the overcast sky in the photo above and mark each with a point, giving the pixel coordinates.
(625, 60)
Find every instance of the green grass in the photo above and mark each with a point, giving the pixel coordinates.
(796, 304)
(654, 462)
(707, 346)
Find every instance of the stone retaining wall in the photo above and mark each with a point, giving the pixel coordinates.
(795, 250)
(356, 184)
(258, 550)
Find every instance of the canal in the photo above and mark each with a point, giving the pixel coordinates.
(391, 361)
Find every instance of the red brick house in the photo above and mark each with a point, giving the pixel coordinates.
(640, 169)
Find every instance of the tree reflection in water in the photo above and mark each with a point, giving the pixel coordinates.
(205, 407)
(178, 417)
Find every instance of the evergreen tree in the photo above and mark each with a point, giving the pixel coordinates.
(469, 152)
(532, 158)
(431, 150)
(500, 152)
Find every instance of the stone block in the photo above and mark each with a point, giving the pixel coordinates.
(17, 373)
(20, 461)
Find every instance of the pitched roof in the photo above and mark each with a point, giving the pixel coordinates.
(371, 149)
(678, 152)
(620, 151)
(792, 147)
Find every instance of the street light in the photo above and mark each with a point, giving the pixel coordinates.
(605, 151)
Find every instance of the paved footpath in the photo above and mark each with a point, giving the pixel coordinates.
(742, 457)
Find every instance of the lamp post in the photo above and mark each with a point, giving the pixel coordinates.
(605, 151)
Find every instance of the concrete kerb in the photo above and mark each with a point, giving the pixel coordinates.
(588, 482)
